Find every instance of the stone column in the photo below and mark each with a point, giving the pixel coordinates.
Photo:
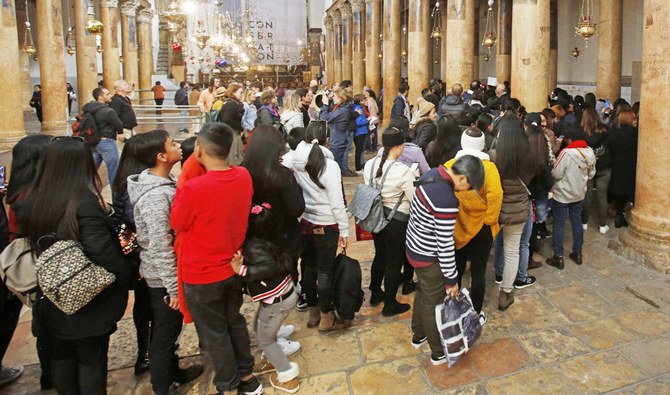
(337, 44)
(419, 45)
(373, 67)
(530, 53)
(330, 48)
(358, 47)
(346, 37)
(608, 83)
(648, 237)
(129, 41)
(11, 112)
(52, 66)
(553, 44)
(504, 55)
(443, 39)
(111, 67)
(476, 44)
(391, 57)
(87, 57)
(145, 68)
(25, 86)
(459, 42)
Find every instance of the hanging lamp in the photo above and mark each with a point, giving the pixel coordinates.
(585, 27)
(490, 38)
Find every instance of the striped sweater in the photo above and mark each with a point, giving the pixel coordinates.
(430, 232)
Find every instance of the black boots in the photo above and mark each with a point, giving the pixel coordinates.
(620, 221)
(505, 300)
(542, 231)
(556, 261)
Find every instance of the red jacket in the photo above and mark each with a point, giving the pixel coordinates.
(211, 213)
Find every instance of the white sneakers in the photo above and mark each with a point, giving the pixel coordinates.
(585, 226)
(289, 347)
(285, 331)
(603, 229)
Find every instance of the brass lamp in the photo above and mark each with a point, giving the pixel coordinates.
(585, 27)
(490, 38)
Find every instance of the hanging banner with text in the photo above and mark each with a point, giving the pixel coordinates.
(279, 28)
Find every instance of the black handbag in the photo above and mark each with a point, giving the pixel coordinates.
(348, 296)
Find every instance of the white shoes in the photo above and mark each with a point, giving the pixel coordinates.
(289, 347)
(285, 331)
(603, 229)
(585, 226)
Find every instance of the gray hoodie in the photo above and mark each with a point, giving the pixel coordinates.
(573, 169)
(152, 198)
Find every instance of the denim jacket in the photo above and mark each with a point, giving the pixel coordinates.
(249, 118)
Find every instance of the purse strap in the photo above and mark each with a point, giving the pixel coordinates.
(588, 167)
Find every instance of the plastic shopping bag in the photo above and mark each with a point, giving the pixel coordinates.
(458, 324)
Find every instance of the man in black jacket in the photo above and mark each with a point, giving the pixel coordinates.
(111, 129)
(181, 99)
(123, 107)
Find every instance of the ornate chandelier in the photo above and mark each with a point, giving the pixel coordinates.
(93, 26)
(490, 38)
(437, 21)
(585, 27)
(28, 43)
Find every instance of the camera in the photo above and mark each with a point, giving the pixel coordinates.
(328, 92)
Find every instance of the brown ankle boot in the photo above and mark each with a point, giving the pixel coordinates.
(327, 321)
(505, 300)
(314, 317)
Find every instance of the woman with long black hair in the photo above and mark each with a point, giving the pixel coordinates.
(325, 225)
(130, 164)
(516, 166)
(76, 211)
(396, 182)
(447, 141)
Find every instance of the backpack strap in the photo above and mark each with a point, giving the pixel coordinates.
(397, 204)
(372, 171)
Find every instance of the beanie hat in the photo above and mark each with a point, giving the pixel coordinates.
(472, 143)
(392, 137)
(425, 107)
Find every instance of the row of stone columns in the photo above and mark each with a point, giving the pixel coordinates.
(136, 32)
(530, 64)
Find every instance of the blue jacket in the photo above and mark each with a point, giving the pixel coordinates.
(337, 119)
(361, 121)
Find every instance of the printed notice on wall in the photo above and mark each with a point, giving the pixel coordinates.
(279, 28)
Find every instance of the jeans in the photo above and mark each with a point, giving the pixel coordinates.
(511, 238)
(107, 150)
(165, 331)
(477, 251)
(80, 366)
(359, 142)
(389, 259)
(183, 114)
(347, 150)
(318, 256)
(601, 181)
(524, 251)
(429, 293)
(541, 210)
(269, 319)
(338, 145)
(142, 316)
(561, 212)
(10, 309)
(222, 330)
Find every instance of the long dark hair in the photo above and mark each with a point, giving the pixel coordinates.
(513, 153)
(537, 141)
(129, 164)
(26, 156)
(447, 141)
(262, 157)
(316, 161)
(67, 173)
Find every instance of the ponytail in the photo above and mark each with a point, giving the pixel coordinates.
(380, 169)
(316, 164)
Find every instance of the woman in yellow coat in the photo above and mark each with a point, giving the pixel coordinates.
(477, 222)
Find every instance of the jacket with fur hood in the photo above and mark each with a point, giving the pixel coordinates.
(322, 206)
(152, 198)
(574, 167)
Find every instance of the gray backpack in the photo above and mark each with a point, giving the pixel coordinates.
(366, 205)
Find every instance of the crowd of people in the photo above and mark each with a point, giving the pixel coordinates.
(259, 206)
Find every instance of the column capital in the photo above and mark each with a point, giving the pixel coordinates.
(345, 9)
(145, 15)
(129, 8)
(109, 3)
(358, 6)
(337, 18)
(328, 22)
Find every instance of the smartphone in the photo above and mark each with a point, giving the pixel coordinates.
(607, 103)
(2, 177)
(414, 166)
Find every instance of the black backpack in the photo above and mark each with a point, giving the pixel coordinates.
(348, 296)
(353, 115)
(86, 127)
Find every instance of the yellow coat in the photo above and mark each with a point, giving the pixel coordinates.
(477, 208)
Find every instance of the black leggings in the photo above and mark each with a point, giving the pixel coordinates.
(477, 251)
(359, 142)
(389, 259)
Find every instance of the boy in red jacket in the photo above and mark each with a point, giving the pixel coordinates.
(211, 212)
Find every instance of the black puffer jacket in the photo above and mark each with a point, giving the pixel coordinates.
(454, 106)
(231, 114)
(425, 131)
(267, 268)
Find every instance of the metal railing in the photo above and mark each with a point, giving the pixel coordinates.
(169, 117)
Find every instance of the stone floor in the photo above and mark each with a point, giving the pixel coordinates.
(600, 327)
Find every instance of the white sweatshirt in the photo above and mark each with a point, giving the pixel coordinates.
(399, 183)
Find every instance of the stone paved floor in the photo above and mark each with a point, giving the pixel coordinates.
(600, 327)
